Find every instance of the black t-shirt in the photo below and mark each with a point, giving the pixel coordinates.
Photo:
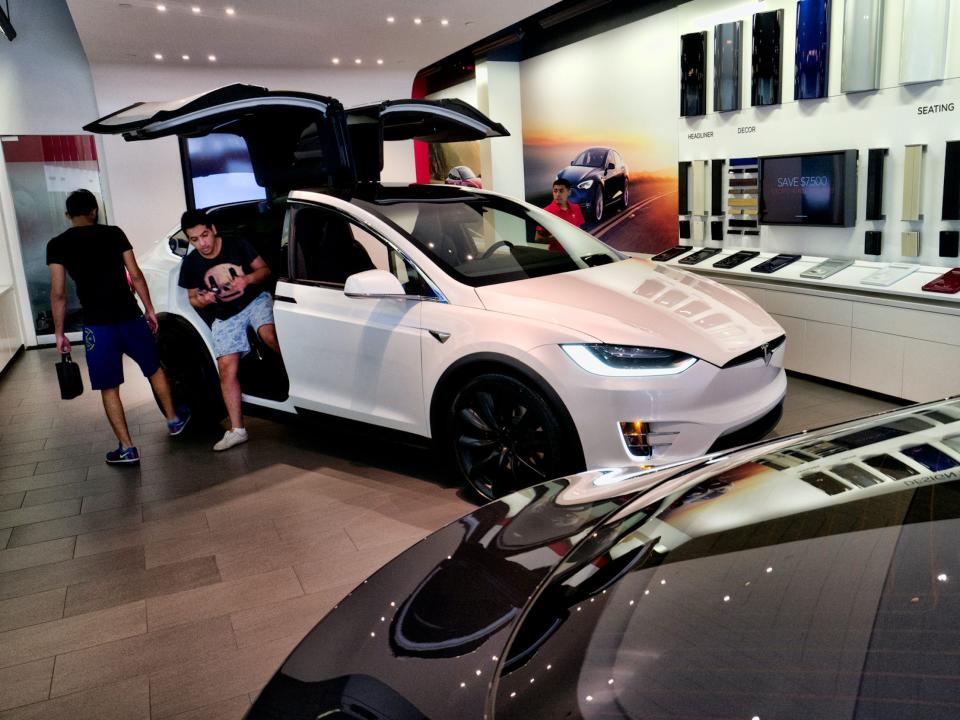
(93, 255)
(215, 274)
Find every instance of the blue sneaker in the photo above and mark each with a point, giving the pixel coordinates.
(176, 426)
(123, 456)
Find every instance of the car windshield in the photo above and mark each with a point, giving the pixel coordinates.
(822, 583)
(593, 157)
(484, 239)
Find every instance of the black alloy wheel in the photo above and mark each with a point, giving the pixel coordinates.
(503, 435)
(626, 193)
(598, 203)
(194, 381)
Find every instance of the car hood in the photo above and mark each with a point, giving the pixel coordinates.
(639, 302)
(444, 609)
(577, 173)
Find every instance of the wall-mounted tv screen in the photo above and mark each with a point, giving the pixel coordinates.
(811, 189)
(217, 171)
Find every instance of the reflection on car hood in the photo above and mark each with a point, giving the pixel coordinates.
(444, 610)
(638, 302)
(576, 173)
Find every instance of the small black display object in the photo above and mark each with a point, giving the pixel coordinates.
(698, 256)
(671, 253)
(685, 229)
(821, 481)
(890, 466)
(716, 229)
(738, 258)
(775, 263)
(872, 242)
(949, 243)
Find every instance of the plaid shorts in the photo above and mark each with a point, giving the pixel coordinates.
(230, 335)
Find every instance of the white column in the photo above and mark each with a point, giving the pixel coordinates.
(498, 97)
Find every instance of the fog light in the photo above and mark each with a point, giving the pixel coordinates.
(635, 436)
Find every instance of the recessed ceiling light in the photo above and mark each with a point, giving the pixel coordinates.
(229, 11)
(417, 21)
(335, 61)
(157, 56)
(390, 18)
(184, 57)
(161, 8)
(379, 61)
(444, 22)
(358, 61)
(212, 58)
(195, 10)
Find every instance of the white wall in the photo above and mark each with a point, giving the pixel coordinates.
(886, 118)
(144, 178)
(45, 83)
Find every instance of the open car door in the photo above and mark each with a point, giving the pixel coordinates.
(426, 120)
(295, 140)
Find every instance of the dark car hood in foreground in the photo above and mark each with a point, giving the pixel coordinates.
(811, 576)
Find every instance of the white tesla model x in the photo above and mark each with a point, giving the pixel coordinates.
(432, 309)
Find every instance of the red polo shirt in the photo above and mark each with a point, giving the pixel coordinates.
(572, 214)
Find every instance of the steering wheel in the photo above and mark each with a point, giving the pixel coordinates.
(493, 248)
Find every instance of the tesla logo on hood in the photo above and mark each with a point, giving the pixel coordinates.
(767, 353)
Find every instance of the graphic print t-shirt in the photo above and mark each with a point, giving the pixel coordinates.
(93, 256)
(217, 273)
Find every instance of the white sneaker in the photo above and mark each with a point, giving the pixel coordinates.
(231, 438)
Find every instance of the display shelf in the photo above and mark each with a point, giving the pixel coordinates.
(844, 282)
(896, 340)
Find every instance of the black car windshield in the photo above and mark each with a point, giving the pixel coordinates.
(483, 239)
(593, 157)
(821, 581)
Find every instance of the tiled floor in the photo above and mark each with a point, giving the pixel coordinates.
(173, 590)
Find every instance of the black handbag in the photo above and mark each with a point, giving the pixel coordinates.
(68, 375)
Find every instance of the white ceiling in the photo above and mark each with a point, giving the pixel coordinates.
(290, 33)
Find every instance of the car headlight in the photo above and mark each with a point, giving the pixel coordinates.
(628, 361)
(585, 185)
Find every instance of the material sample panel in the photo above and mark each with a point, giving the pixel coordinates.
(862, 37)
(726, 66)
(767, 59)
(923, 40)
(693, 74)
(812, 49)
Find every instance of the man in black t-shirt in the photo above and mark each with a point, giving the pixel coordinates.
(224, 279)
(99, 258)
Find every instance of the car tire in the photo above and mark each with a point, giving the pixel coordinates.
(598, 203)
(502, 435)
(626, 193)
(190, 370)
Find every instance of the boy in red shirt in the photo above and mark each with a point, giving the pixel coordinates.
(562, 208)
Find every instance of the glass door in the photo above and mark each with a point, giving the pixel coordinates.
(42, 171)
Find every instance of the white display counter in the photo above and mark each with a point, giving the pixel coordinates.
(896, 340)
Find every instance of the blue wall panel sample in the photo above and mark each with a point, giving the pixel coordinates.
(813, 42)
(767, 58)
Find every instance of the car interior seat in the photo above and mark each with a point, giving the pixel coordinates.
(325, 248)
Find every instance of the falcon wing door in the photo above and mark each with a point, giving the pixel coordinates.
(426, 120)
(295, 140)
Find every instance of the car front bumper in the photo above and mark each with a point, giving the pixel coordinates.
(682, 415)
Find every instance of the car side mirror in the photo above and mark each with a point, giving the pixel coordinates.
(611, 166)
(373, 284)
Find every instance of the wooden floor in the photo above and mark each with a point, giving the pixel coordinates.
(174, 590)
